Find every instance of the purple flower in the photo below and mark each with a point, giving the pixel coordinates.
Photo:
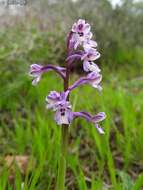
(90, 66)
(81, 27)
(64, 114)
(36, 71)
(58, 103)
(92, 78)
(52, 99)
(89, 44)
(90, 54)
(55, 98)
(94, 119)
(98, 118)
(88, 57)
(81, 33)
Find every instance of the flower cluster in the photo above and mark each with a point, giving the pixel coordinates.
(80, 46)
(81, 38)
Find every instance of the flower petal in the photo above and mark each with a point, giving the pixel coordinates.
(100, 130)
(36, 80)
(90, 66)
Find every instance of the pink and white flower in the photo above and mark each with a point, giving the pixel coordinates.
(36, 71)
(52, 99)
(92, 78)
(88, 57)
(64, 114)
(80, 33)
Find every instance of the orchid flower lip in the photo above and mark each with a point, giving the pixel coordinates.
(81, 27)
(64, 114)
(90, 66)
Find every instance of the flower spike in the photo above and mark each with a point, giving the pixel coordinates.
(80, 47)
(79, 37)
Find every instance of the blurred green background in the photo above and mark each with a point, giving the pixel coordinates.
(36, 33)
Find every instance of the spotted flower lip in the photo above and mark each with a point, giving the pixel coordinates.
(89, 66)
(78, 40)
(64, 114)
(80, 33)
(57, 102)
(81, 27)
(37, 70)
(88, 57)
(92, 78)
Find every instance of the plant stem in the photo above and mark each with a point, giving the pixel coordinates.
(64, 144)
(62, 163)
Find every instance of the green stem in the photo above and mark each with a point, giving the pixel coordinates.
(62, 162)
(64, 144)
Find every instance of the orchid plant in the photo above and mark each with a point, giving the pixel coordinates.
(81, 47)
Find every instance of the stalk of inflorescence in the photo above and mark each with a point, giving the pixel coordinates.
(81, 47)
(64, 140)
